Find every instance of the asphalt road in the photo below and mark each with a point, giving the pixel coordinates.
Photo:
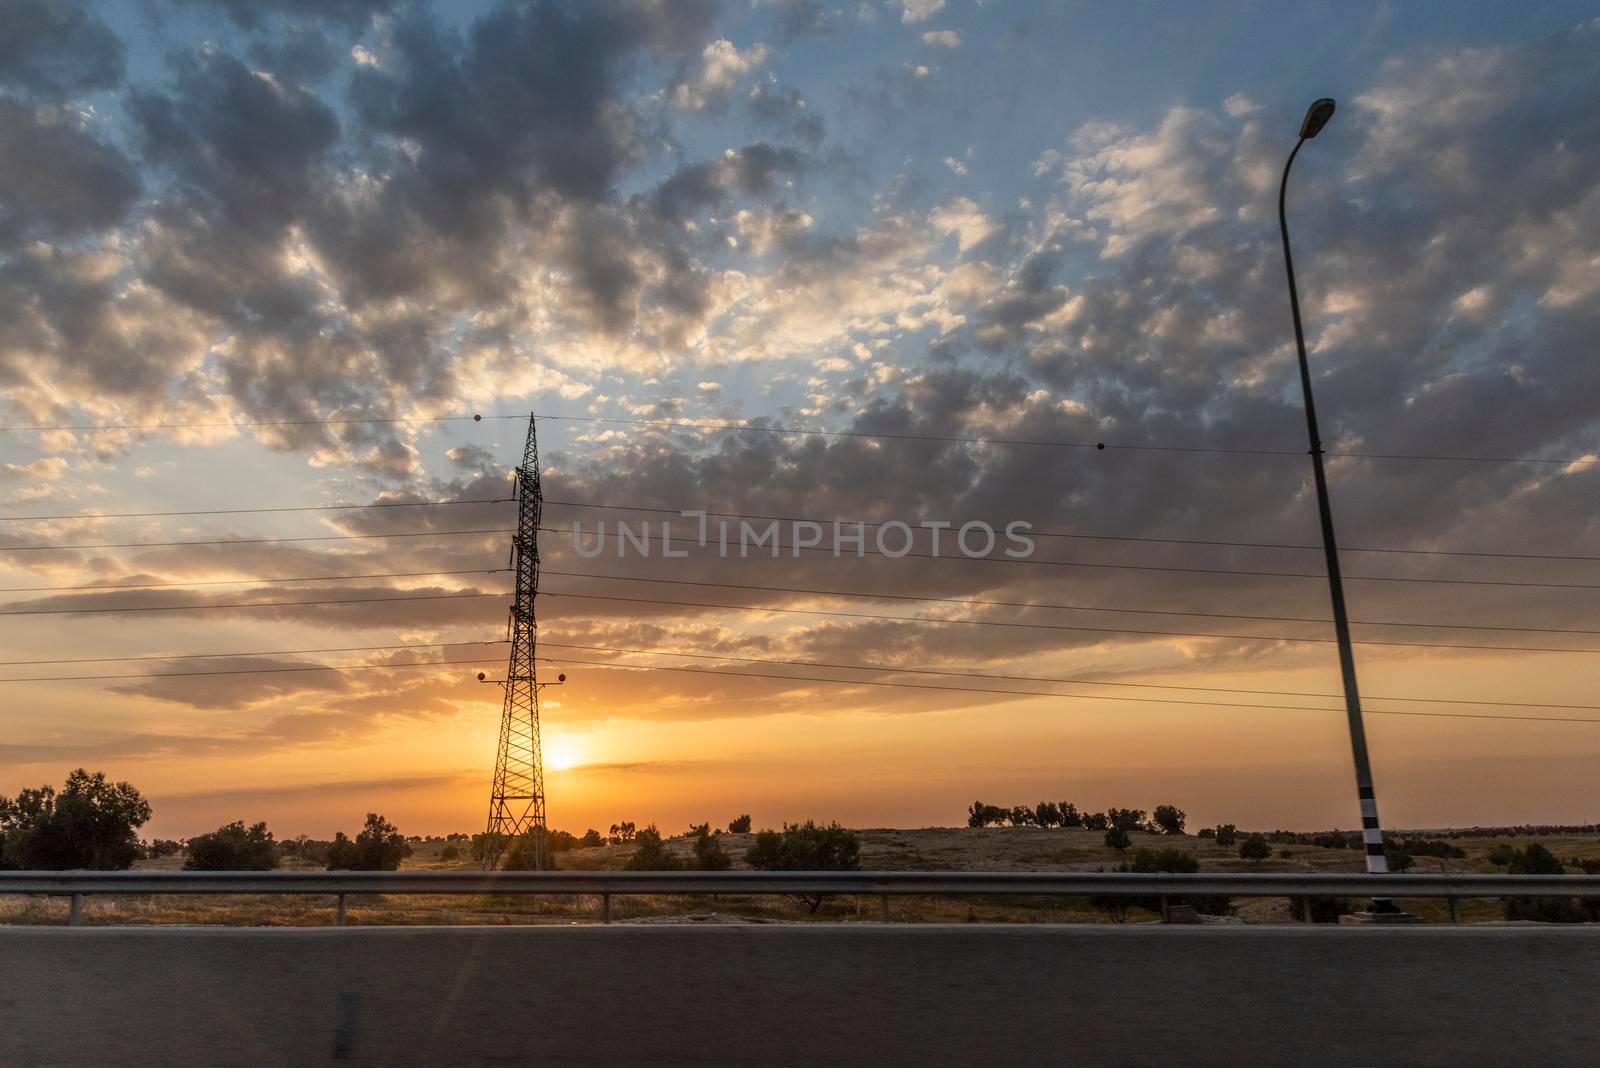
(799, 994)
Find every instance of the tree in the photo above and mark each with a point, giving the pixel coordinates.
(1022, 816)
(1169, 818)
(1396, 857)
(162, 847)
(1070, 816)
(806, 847)
(1206, 832)
(1096, 821)
(709, 854)
(379, 847)
(1129, 819)
(91, 823)
(622, 832)
(651, 853)
(233, 847)
(1227, 834)
(591, 838)
(739, 824)
(1117, 838)
(982, 815)
(1255, 848)
(1047, 814)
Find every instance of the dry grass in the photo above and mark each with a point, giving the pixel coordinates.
(934, 848)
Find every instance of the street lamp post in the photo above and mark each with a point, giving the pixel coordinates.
(1317, 117)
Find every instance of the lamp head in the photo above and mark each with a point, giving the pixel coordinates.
(482, 675)
(562, 677)
(1317, 116)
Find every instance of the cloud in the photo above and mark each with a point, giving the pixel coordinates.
(962, 218)
(919, 10)
(57, 49)
(942, 38)
(57, 182)
(723, 65)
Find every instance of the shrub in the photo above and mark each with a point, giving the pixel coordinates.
(1169, 818)
(709, 854)
(1398, 859)
(739, 824)
(1537, 860)
(233, 847)
(806, 847)
(1255, 849)
(1180, 862)
(1118, 839)
(1227, 834)
(91, 823)
(651, 853)
(162, 847)
(379, 847)
(591, 838)
(1501, 854)
(450, 852)
(1206, 832)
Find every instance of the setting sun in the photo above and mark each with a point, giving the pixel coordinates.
(560, 756)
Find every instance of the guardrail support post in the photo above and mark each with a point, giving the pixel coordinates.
(75, 910)
(1455, 909)
(883, 906)
(605, 908)
(338, 916)
(1305, 909)
(1166, 917)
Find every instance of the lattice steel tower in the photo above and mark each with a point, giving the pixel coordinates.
(516, 804)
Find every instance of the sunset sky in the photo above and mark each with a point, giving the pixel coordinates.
(922, 219)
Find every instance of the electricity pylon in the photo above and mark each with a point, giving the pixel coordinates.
(516, 803)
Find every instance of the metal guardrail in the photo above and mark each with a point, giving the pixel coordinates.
(882, 884)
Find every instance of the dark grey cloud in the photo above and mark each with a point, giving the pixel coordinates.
(57, 182)
(251, 15)
(55, 49)
(241, 142)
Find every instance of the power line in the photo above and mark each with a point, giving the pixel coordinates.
(1096, 445)
(250, 541)
(987, 603)
(778, 546)
(258, 652)
(1026, 693)
(787, 519)
(1052, 626)
(246, 604)
(251, 511)
(249, 671)
(767, 588)
(1055, 679)
(783, 430)
(759, 660)
(1089, 537)
(249, 581)
(246, 424)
